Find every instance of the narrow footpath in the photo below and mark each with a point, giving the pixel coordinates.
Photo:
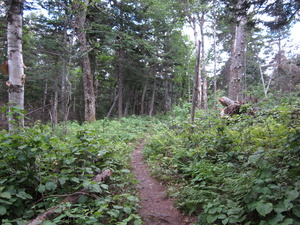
(156, 207)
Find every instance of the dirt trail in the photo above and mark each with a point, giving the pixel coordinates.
(156, 207)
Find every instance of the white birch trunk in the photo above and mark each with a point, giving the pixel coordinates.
(203, 61)
(15, 61)
(215, 53)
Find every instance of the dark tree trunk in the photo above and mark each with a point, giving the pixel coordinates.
(88, 83)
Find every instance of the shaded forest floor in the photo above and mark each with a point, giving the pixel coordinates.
(156, 207)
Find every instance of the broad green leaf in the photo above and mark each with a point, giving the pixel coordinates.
(118, 207)
(22, 146)
(62, 180)
(292, 195)
(104, 186)
(22, 157)
(287, 204)
(5, 195)
(287, 221)
(225, 221)
(132, 198)
(83, 199)
(211, 218)
(5, 202)
(253, 158)
(264, 208)
(51, 186)
(2, 210)
(280, 207)
(41, 188)
(58, 210)
(28, 214)
(127, 210)
(296, 210)
(276, 220)
(137, 222)
(86, 184)
(23, 195)
(125, 171)
(251, 206)
(96, 188)
(114, 213)
(75, 179)
(222, 216)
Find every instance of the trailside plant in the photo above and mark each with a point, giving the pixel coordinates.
(237, 170)
(40, 166)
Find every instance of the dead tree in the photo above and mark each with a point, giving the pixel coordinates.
(234, 107)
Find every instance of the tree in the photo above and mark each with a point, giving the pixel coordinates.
(237, 58)
(15, 60)
(80, 12)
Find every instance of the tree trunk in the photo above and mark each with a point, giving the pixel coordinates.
(197, 43)
(65, 82)
(143, 97)
(120, 93)
(237, 66)
(45, 98)
(109, 114)
(263, 81)
(127, 99)
(196, 81)
(15, 61)
(88, 83)
(151, 110)
(215, 53)
(166, 95)
(233, 107)
(203, 60)
(54, 108)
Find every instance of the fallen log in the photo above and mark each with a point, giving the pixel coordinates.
(226, 101)
(72, 198)
(233, 107)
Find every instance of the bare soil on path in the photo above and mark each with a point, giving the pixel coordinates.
(156, 207)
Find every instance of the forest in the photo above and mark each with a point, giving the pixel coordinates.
(211, 87)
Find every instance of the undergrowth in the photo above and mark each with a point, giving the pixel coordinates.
(236, 170)
(40, 166)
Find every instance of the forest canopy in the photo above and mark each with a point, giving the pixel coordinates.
(86, 60)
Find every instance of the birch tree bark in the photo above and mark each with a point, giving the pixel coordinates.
(237, 66)
(143, 97)
(196, 82)
(120, 92)
(80, 7)
(66, 86)
(15, 61)
(203, 61)
(151, 110)
(215, 52)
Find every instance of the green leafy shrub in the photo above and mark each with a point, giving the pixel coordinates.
(238, 170)
(40, 166)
